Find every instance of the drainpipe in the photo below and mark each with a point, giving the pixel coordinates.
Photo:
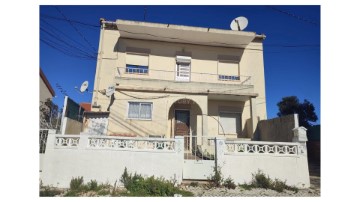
(98, 65)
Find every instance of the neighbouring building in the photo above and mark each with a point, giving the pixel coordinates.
(45, 101)
(46, 91)
(179, 80)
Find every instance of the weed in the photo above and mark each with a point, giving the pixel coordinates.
(49, 191)
(92, 185)
(216, 179)
(194, 184)
(76, 183)
(246, 186)
(261, 181)
(229, 183)
(138, 185)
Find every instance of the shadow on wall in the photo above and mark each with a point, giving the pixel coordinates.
(167, 49)
(246, 132)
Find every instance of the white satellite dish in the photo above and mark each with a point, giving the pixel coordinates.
(110, 90)
(84, 86)
(239, 23)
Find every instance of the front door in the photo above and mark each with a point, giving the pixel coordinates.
(182, 126)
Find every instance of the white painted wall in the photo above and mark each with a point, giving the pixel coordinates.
(198, 169)
(70, 156)
(292, 168)
(107, 165)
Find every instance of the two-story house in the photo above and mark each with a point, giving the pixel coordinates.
(172, 80)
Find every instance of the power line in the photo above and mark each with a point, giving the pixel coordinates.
(294, 16)
(57, 31)
(70, 22)
(74, 21)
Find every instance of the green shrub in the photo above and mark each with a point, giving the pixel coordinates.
(229, 183)
(49, 191)
(138, 185)
(92, 185)
(260, 180)
(76, 183)
(246, 186)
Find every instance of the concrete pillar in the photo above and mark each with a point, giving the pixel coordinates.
(254, 119)
(220, 151)
(301, 137)
(179, 148)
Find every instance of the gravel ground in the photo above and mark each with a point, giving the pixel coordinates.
(222, 192)
(313, 191)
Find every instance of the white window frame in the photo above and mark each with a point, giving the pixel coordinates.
(182, 60)
(221, 132)
(138, 118)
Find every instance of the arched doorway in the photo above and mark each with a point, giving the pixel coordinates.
(185, 116)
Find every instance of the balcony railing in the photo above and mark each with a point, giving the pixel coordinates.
(180, 76)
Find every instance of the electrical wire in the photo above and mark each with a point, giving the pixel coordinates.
(294, 16)
(71, 23)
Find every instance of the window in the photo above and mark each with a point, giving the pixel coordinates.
(140, 110)
(137, 69)
(228, 70)
(183, 68)
(137, 63)
(230, 123)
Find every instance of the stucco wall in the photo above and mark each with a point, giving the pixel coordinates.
(217, 106)
(277, 129)
(160, 124)
(162, 57)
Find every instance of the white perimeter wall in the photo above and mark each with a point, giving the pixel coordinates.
(288, 162)
(106, 164)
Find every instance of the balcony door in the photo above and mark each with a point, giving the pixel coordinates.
(183, 68)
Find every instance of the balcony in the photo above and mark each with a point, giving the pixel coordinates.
(182, 81)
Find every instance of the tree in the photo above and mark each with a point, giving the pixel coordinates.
(305, 110)
(49, 115)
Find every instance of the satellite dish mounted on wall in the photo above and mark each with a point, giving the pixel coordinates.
(84, 86)
(110, 90)
(239, 23)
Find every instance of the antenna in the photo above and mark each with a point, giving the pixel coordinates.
(239, 23)
(110, 90)
(84, 86)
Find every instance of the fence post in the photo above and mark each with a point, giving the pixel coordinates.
(300, 136)
(179, 149)
(219, 151)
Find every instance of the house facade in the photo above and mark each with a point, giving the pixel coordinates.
(170, 80)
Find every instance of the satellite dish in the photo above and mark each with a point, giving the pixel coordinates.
(84, 86)
(110, 90)
(239, 23)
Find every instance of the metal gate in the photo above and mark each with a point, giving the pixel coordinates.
(199, 160)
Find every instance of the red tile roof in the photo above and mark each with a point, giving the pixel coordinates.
(86, 106)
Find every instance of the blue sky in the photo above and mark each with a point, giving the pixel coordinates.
(291, 49)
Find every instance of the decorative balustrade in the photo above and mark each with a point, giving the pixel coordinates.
(148, 144)
(67, 142)
(257, 147)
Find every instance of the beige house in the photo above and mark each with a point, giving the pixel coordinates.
(172, 80)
